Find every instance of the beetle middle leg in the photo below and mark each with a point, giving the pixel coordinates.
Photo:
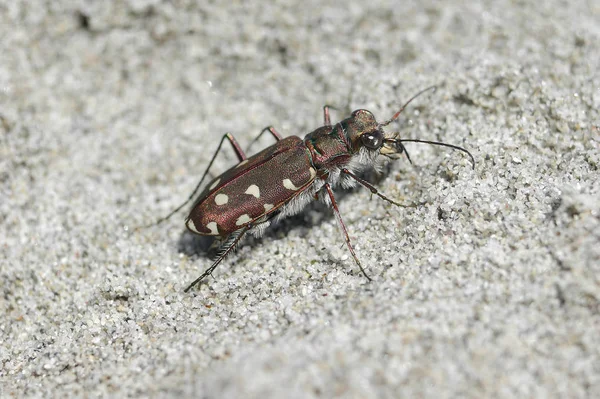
(271, 130)
(336, 211)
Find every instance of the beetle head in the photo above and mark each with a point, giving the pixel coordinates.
(364, 131)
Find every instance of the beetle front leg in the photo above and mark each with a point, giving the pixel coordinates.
(336, 211)
(373, 190)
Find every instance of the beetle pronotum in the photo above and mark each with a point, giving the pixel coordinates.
(282, 179)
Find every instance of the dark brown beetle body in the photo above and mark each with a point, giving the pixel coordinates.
(282, 179)
(246, 195)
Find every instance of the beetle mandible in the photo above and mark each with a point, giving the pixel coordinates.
(282, 179)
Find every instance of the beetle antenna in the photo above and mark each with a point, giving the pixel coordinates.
(455, 147)
(406, 104)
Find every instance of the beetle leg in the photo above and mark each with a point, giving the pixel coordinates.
(241, 156)
(236, 147)
(271, 130)
(375, 191)
(336, 211)
(222, 256)
(326, 116)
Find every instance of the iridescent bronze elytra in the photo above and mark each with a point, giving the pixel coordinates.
(282, 179)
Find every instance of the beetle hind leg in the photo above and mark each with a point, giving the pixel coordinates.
(229, 245)
(239, 153)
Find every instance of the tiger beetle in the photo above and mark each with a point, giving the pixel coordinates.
(282, 179)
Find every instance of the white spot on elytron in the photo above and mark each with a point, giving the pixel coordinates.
(253, 190)
(221, 199)
(313, 173)
(215, 183)
(212, 226)
(190, 225)
(268, 207)
(287, 183)
(245, 218)
(244, 162)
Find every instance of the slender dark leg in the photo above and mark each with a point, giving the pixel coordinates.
(271, 130)
(374, 190)
(336, 211)
(241, 156)
(222, 256)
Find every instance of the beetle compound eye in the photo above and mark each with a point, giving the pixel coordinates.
(372, 140)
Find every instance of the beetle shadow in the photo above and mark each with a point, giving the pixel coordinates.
(194, 245)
